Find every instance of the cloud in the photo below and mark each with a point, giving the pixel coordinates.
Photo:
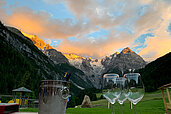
(157, 17)
(41, 23)
(156, 47)
(160, 44)
(146, 1)
(52, 1)
(125, 20)
(95, 47)
(98, 14)
(106, 14)
(2, 3)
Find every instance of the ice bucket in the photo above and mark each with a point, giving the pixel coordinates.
(53, 96)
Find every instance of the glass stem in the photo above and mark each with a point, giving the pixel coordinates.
(135, 112)
(121, 111)
(113, 109)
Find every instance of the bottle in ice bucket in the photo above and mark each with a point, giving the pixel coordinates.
(67, 76)
(53, 95)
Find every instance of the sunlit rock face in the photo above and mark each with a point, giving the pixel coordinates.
(115, 63)
(37, 41)
(13, 38)
(93, 68)
(123, 61)
(56, 56)
(51, 67)
(127, 50)
(73, 56)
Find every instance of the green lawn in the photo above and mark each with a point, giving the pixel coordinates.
(28, 109)
(152, 103)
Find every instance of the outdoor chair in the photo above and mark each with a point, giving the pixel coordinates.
(166, 104)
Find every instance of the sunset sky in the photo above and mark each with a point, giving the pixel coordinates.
(94, 27)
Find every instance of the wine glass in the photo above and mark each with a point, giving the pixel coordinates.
(110, 90)
(122, 84)
(136, 88)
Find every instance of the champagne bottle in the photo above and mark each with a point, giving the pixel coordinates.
(67, 76)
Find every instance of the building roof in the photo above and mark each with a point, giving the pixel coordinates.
(22, 89)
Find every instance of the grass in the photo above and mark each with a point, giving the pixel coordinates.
(28, 109)
(152, 103)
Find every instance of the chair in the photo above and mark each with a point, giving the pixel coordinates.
(166, 104)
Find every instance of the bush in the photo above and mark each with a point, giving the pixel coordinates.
(77, 99)
(72, 102)
(101, 97)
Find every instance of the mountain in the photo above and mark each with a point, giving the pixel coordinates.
(123, 61)
(26, 61)
(115, 63)
(56, 56)
(23, 64)
(93, 69)
(71, 56)
(37, 41)
(14, 38)
(63, 64)
(157, 73)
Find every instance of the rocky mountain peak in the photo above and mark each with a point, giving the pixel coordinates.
(56, 56)
(30, 61)
(93, 68)
(1, 25)
(126, 59)
(117, 52)
(71, 56)
(127, 50)
(37, 41)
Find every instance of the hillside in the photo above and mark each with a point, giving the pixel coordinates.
(92, 69)
(37, 41)
(123, 61)
(23, 64)
(157, 73)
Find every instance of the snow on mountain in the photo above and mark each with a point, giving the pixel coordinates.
(91, 67)
(82, 62)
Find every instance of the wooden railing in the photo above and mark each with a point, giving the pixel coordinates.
(166, 104)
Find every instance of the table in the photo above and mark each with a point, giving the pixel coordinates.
(8, 108)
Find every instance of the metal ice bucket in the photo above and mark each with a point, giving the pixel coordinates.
(53, 96)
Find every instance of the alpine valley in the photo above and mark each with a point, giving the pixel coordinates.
(93, 69)
(25, 60)
(23, 64)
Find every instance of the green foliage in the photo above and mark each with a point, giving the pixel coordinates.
(72, 101)
(101, 97)
(152, 103)
(157, 73)
(75, 76)
(28, 109)
(91, 92)
(19, 68)
(16, 71)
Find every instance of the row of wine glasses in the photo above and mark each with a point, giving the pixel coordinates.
(116, 88)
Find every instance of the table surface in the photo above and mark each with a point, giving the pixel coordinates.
(25, 113)
(8, 104)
